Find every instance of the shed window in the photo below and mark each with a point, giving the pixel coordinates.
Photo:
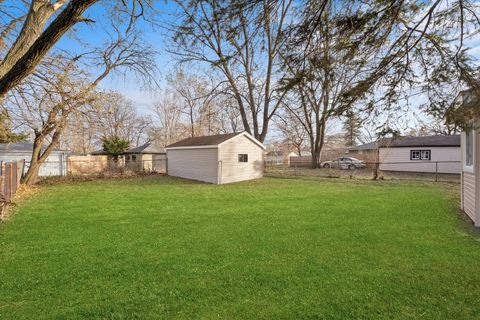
(242, 157)
(420, 155)
(134, 157)
(469, 148)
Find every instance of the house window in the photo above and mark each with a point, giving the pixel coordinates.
(242, 157)
(420, 155)
(134, 157)
(469, 148)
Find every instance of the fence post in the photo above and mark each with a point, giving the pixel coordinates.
(436, 171)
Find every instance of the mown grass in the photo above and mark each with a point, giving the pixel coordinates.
(268, 249)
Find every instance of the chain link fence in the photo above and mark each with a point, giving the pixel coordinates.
(438, 171)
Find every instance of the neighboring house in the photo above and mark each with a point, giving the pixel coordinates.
(148, 157)
(279, 157)
(427, 154)
(367, 152)
(54, 165)
(99, 152)
(274, 157)
(217, 159)
(371, 147)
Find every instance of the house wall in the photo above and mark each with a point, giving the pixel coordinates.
(468, 194)
(146, 163)
(274, 159)
(470, 188)
(231, 170)
(151, 162)
(398, 159)
(54, 165)
(159, 162)
(196, 164)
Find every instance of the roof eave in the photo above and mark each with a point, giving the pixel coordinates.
(423, 146)
(249, 136)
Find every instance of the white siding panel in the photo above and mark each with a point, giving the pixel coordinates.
(231, 169)
(54, 165)
(398, 159)
(468, 194)
(195, 164)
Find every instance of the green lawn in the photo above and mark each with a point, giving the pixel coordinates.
(267, 249)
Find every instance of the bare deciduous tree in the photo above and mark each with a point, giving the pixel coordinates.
(194, 97)
(114, 115)
(168, 115)
(47, 100)
(292, 131)
(36, 38)
(241, 41)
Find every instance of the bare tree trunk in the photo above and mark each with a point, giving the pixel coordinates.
(31, 175)
(25, 65)
(39, 13)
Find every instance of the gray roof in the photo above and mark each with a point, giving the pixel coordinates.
(147, 148)
(22, 147)
(425, 141)
(99, 152)
(204, 140)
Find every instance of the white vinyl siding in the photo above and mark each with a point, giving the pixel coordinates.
(195, 164)
(232, 170)
(468, 194)
(54, 165)
(398, 159)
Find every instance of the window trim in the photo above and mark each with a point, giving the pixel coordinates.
(468, 168)
(243, 158)
(420, 157)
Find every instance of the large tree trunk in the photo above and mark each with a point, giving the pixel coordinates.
(31, 175)
(39, 13)
(25, 65)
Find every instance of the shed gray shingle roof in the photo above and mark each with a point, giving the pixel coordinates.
(204, 140)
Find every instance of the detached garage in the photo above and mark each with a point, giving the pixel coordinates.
(218, 159)
(428, 154)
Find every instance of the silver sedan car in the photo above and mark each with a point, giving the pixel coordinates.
(344, 163)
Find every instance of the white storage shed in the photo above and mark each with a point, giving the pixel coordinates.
(217, 159)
